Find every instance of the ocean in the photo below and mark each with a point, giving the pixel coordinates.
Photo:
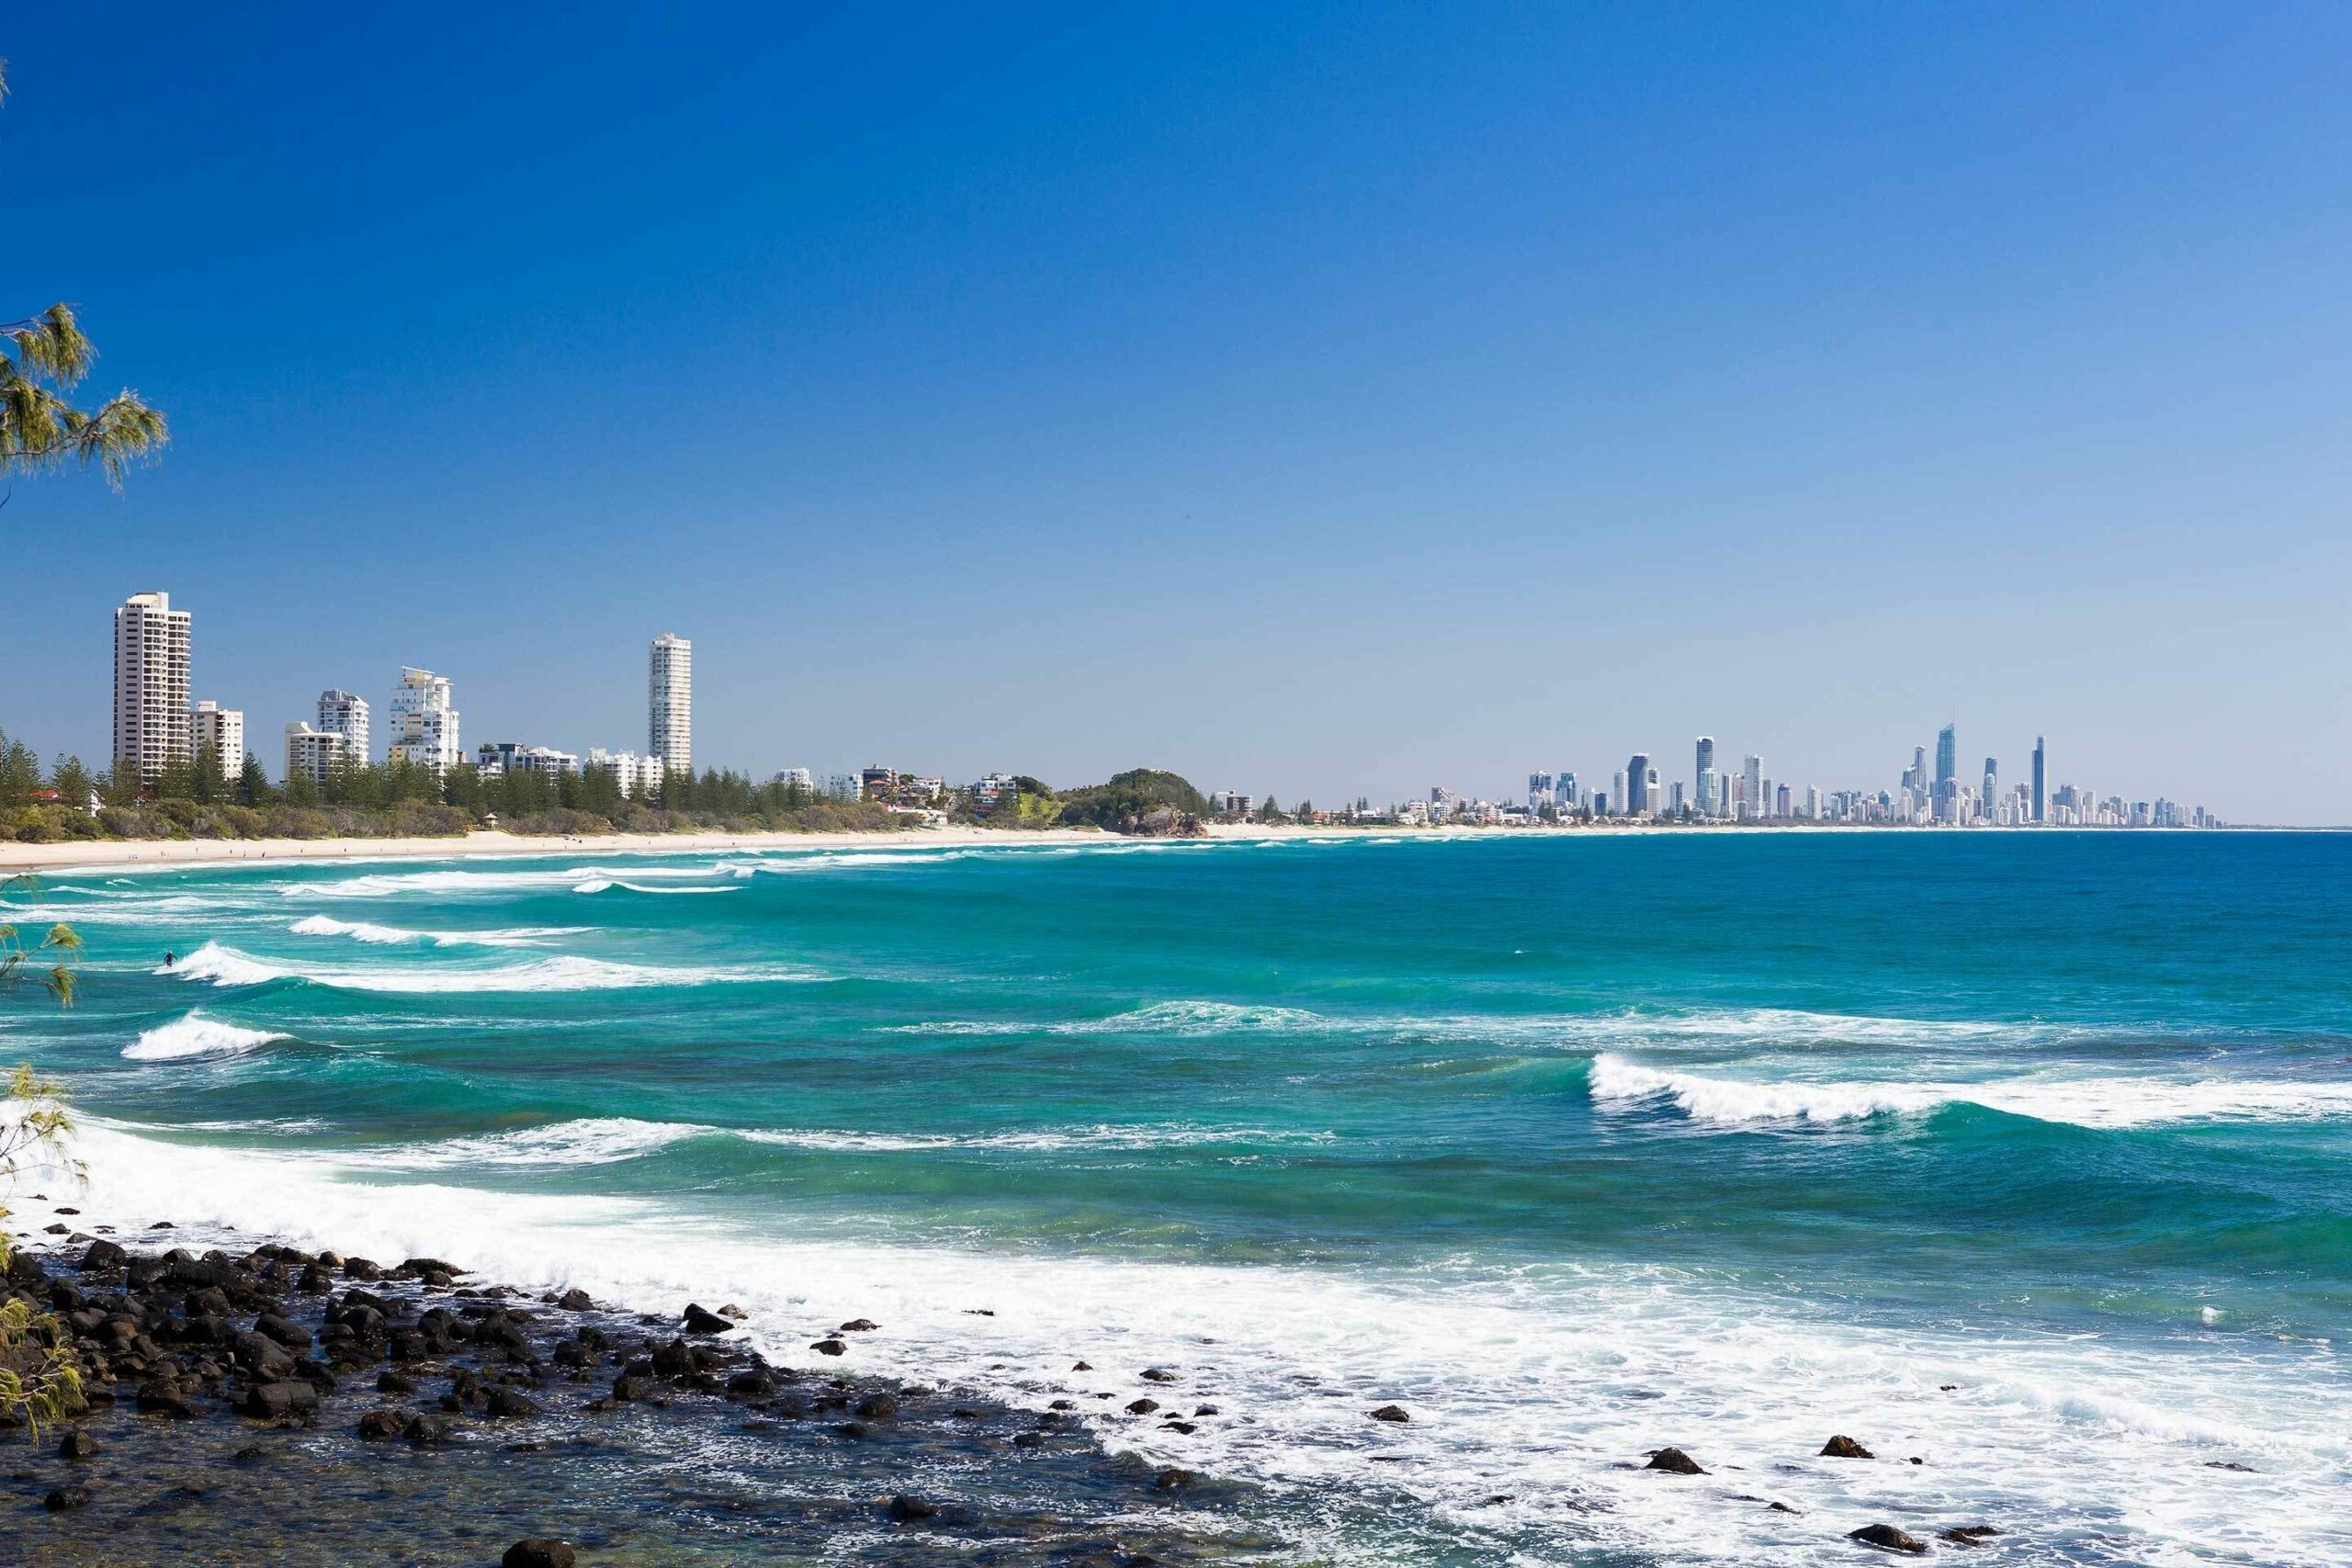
(2020, 1155)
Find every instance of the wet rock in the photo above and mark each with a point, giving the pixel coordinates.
(1172, 1480)
(103, 1256)
(507, 1404)
(731, 1310)
(538, 1552)
(757, 1383)
(1844, 1446)
(163, 1225)
(2229, 1464)
(383, 1425)
(77, 1444)
(162, 1396)
(878, 1408)
(274, 1401)
(1778, 1508)
(1186, 1428)
(699, 1321)
(1207, 1410)
(1082, 1366)
(287, 1332)
(674, 1360)
(1675, 1463)
(1395, 1412)
(575, 1301)
(1886, 1538)
(1143, 1407)
(392, 1382)
(858, 1325)
(430, 1431)
(1028, 1441)
(629, 1387)
(829, 1348)
(1157, 1374)
(361, 1269)
(1968, 1535)
(906, 1508)
(64, 1499)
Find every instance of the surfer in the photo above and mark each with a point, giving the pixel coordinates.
(169, 958)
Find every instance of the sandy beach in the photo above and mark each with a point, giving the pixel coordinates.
(134, 853)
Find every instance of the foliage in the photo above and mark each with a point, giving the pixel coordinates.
(1129, 795)
(21, 961)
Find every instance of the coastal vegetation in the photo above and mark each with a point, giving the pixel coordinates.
(40, 1378)
(1139, 800)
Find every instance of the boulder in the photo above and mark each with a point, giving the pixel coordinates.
(878, 1408)
(274, 1401)
(829, 1348)
(538, 1552)
(1968, 1535)
(63, 1499)
(383, 1425)
(77, 1444)
(1395, 1412)
(508, 1404)
(906, 1507)
(1674, 1462)
(858, 1325)
(430, 1431)
(1157, 1374)
(675, 1359)
(575, 1300)
(1143, 1407)
(700, 1321)
(1844, 1446)
(1886, 1538)
(287, 1332)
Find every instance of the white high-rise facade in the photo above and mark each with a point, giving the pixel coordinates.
(423, 725)
(341, 714)
(311, 753)
(670, 703)
(151, 646)
(223, 730)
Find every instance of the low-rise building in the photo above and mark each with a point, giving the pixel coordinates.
(313, 754)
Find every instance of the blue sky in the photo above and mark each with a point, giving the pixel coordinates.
(1320, 399)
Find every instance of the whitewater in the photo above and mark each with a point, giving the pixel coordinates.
(1324, 1130)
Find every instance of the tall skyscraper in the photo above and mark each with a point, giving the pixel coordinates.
(1539, 791)
(151, 648)
(422, 723)
(223, 730)
(1706, 757)
(670, 703)
(1639, 779)
(341, 714)
(2040, 803)
(1752, 785)
(1992, 786)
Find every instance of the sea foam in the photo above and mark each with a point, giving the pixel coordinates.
(228, 966)
(196, 1035)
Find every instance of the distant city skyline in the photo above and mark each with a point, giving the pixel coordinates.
(1316, 401)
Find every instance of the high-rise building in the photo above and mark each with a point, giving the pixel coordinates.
(223, 730)
(1640, 783)
(670, 703)
(1706, 749)
(422, 723)
(1946, 756)
(1617, 793)
(151, 713)
(1539, 791)
(2040, 800)
(1991, 784)
(1751, 774)
(313, 754)
(1564, 795)
(341, 714)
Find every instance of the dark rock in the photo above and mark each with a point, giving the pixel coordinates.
(1082, 1366)
(390, 1381)
(757, 1383)
(163, 1396)
(629, 1387)
(858, 1325)
(731, 1310)
(699, 1321)
(1157, 1374)
(274, 1401)
(575, 1301)
(535, 1551)
(1028, 1441)
(1886, 1538)
(2229, 1464)
(430, 1431)
(63, 1499)
(1968, 1535)
(1143, 1407)
(906, 1507)
(1395, 1412)
(383, 1425)
(77, 1444)
(103, 1256)
(287, 1332)
(57, 1230)
(829, 1348)
(1844, 1446)
(1778, 1508)
(1675, 1462)
(1172, 1480)
(1185, 1426)
(878, 1408)
(1207, 1410)
(507, 1404)
(361, 1269)
(163, 1225)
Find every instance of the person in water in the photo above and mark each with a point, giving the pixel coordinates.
(168, 959)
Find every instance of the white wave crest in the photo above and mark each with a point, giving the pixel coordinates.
(603, 1140)
(196, 1035)
(1045, 1140)
(1196, 1018)
(362, 930)
(2100, 1101)
(605, 884)
(227, 966)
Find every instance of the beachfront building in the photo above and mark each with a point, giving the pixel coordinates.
(494, 758)
(638, 777)
(151, 712)
(670, 703)
(341, 714)
(992, 789)
(313, 754)
(788, 777)
(424, 724)
(223, 730)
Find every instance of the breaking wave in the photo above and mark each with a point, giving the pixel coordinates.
(196, 1035)
(227, 966)
(367, 931)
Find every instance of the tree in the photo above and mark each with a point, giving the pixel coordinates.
(39, 1379)
(20, 963)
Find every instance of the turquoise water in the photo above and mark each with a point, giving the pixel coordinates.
(2024, 1154)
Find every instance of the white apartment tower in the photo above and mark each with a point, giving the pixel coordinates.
(670, 703)
(340, 712)
(423, 724)
(223, 730)
(311, 753)
(150, 639)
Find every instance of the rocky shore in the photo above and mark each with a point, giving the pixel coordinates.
(285, 1406)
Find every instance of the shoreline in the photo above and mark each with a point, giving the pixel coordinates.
(150, 854)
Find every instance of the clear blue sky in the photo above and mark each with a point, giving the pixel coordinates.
(1320, 399)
